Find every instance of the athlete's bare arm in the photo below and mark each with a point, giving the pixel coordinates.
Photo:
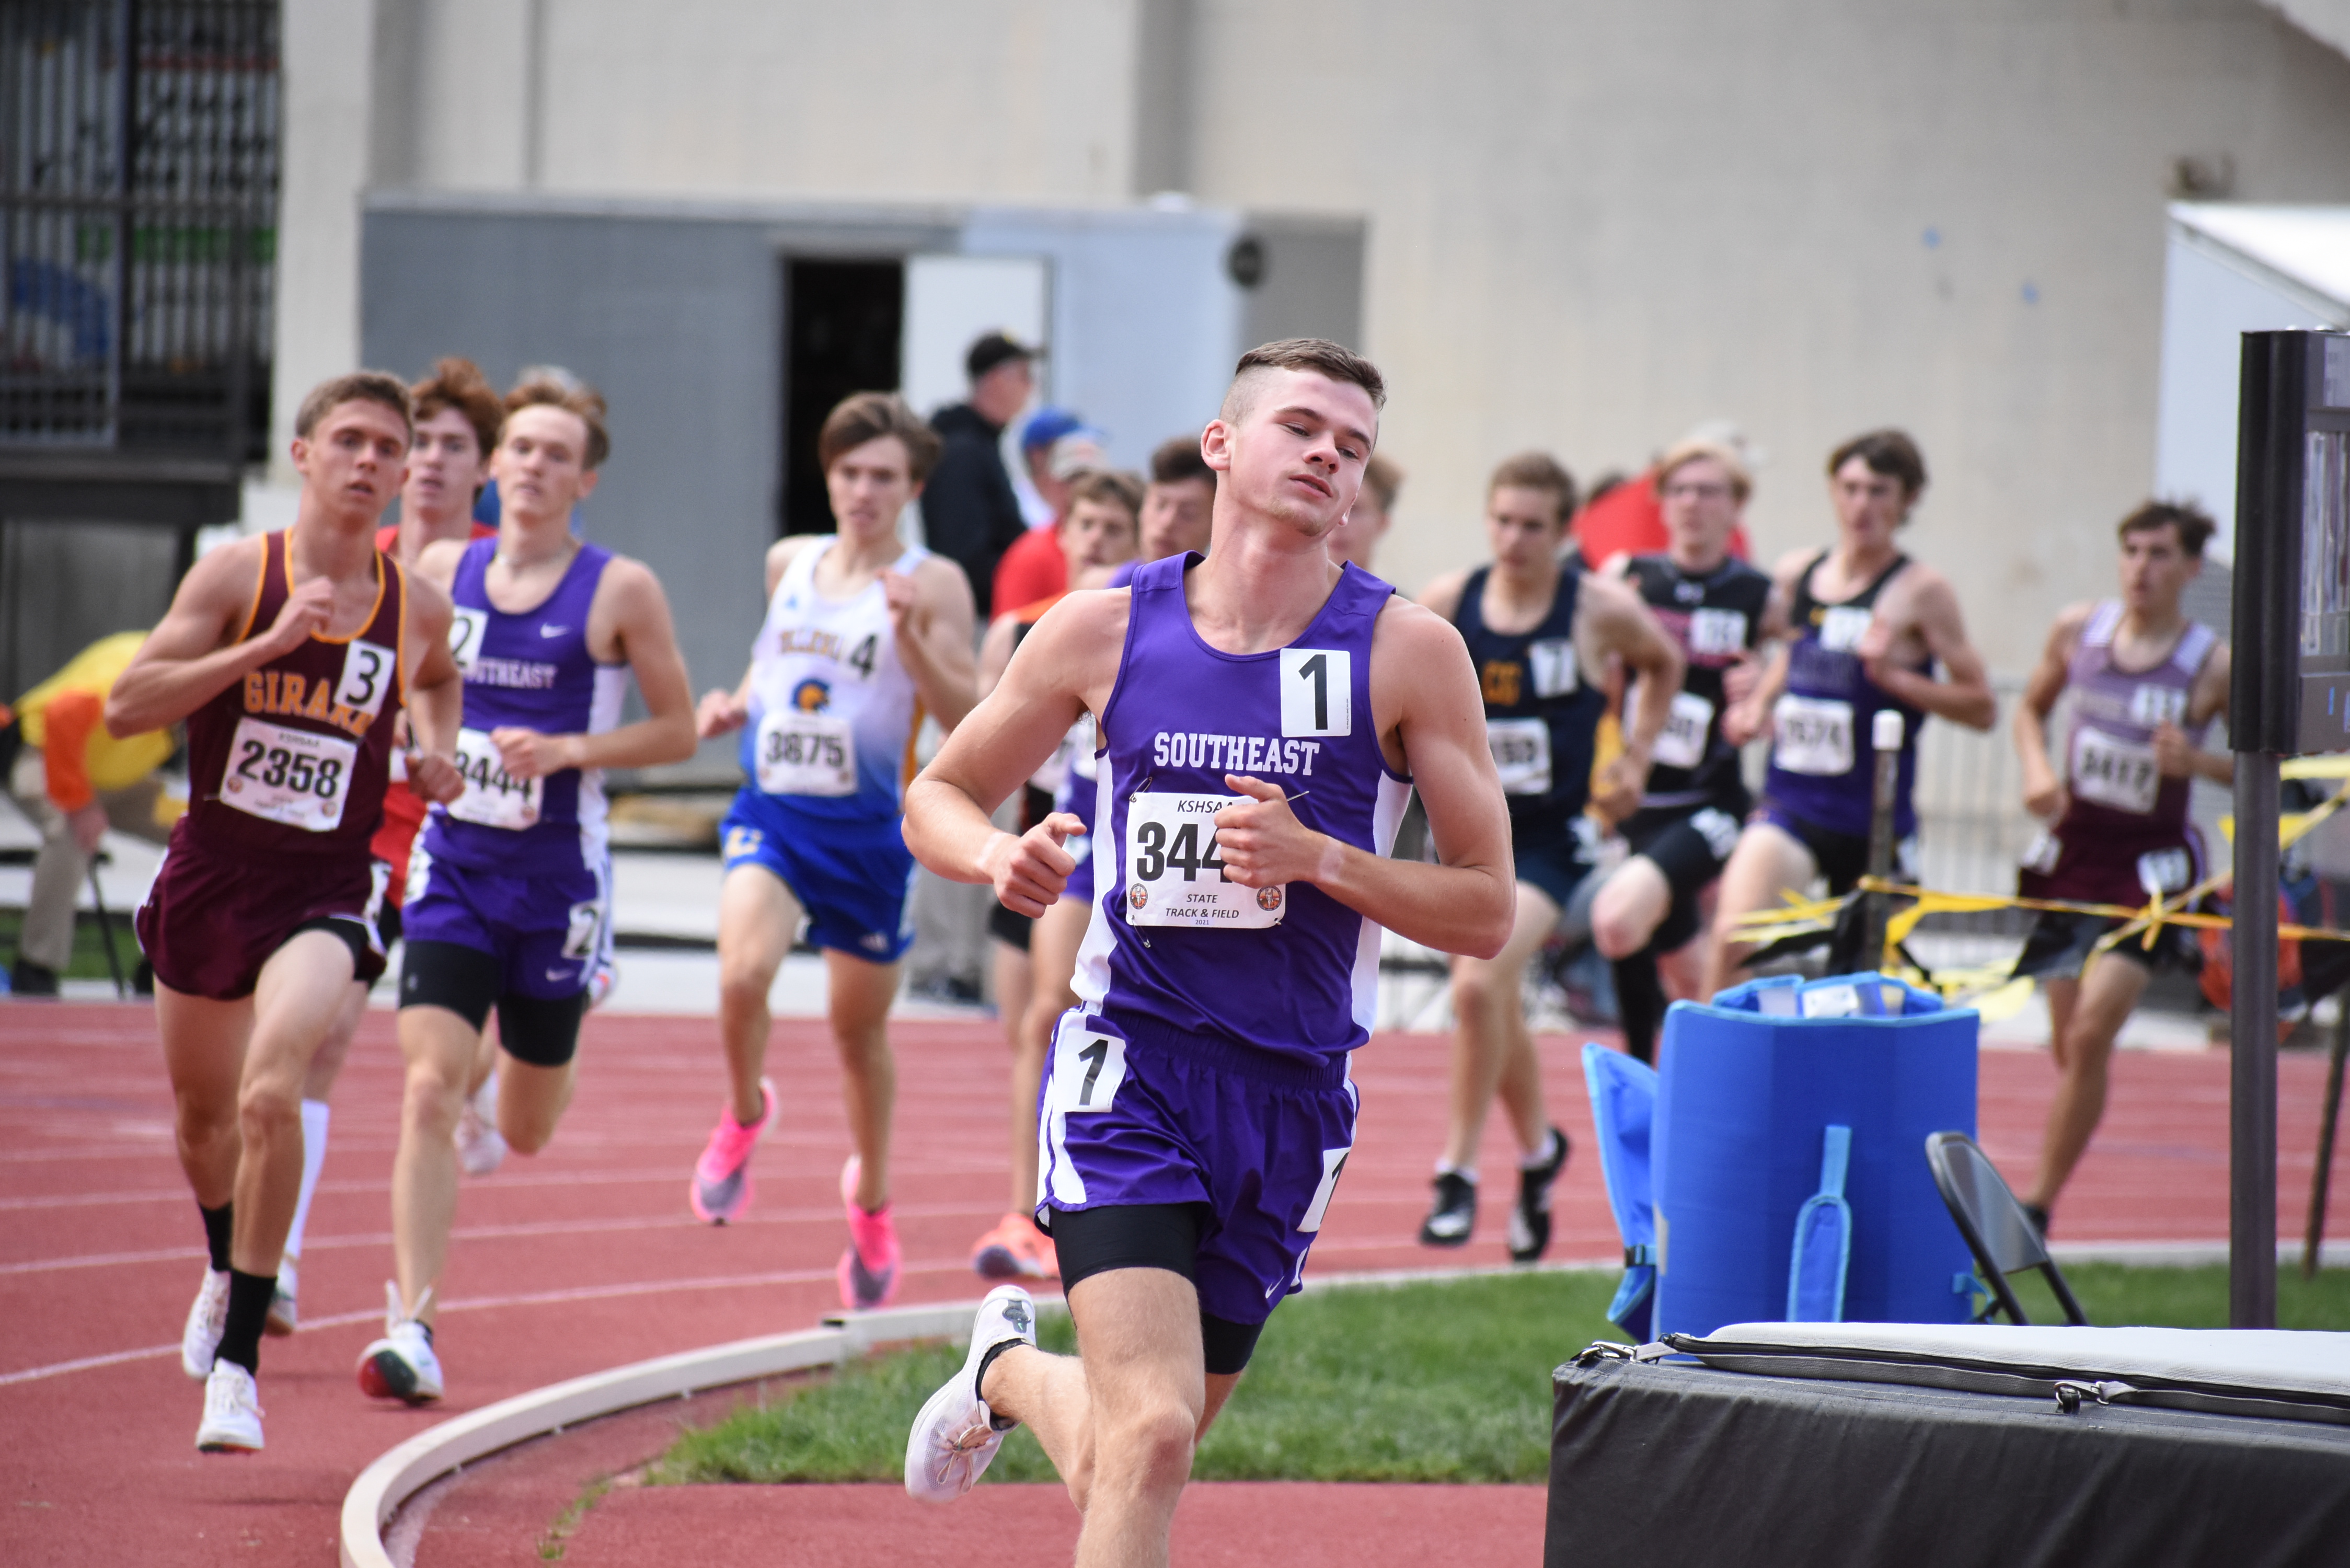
(435, 688)
(191, 656)
(1921, 608)
(2174, 752)
(1065, 666)
(2043, 791)
(930, 612)
(1748, 713)
(1431, 719)
(722, 711)
(1611, 620)
(627, 622)
(995, 652)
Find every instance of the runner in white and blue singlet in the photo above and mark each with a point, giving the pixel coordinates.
(1265, 715)
(1869, 625)
(863, 638)
(509, 886)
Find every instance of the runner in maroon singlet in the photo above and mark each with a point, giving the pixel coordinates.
(2145, 683)
(289, 656)
(457, 417)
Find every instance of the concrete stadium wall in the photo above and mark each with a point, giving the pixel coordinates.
(1590, 225)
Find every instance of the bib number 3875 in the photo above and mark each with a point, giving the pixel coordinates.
(806, 753)
(1173, 875)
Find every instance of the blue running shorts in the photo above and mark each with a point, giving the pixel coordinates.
(855, 880)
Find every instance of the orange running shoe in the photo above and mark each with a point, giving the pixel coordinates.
(1015, 1250)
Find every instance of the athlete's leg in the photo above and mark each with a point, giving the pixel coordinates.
(203, 1051)
(1014, 981)
(1768, 861)
(1053, 959)
(2107, 991)
(1120, 1425)
(303, 987)
(531, 1101)
(757, 919)
(438, 1045)
(1632, 903)
(860, 995)
(1493, 1049)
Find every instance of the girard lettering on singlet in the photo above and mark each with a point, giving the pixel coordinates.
(281, 692)
(1232, 753)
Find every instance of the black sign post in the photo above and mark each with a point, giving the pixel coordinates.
(2290, 694)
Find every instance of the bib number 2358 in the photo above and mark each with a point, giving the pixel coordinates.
(1173, 877)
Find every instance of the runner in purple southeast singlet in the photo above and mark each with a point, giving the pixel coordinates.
(1206, 1059)
(521, 868)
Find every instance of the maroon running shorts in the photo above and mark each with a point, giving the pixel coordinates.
(213, 919)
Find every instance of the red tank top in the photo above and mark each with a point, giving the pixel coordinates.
(292, 759)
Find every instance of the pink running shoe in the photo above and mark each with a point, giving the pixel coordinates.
(869, 1269)
(721, 1190)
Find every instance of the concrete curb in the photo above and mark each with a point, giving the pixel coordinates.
(415, 1464)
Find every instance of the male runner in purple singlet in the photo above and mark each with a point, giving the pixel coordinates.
(509, 887)
(1869, 626)
(2147, 683)
(290, 655)
(1264, 713)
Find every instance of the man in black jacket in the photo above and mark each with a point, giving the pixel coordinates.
(970, 514)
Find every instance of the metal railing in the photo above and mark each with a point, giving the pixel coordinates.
(139, 174)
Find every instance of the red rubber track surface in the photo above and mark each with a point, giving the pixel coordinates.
(586, 1257)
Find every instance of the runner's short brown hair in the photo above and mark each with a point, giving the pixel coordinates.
(2194, 525)
(1108, 487)
(575, 398)
(1535, 471)
(1178, 460)
(1887, 452)
(457, 382)
(358, 387)
(1318, 355)
(1384, 479)
(861, 417)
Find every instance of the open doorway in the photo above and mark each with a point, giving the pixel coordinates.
(843, 324)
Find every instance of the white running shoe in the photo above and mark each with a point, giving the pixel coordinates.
(285, 1311)
(207, 1320)
(481, 1148)
(401, 1365)
(956, 1435)
(232, 1422)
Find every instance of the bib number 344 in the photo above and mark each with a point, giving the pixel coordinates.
(1173, 875)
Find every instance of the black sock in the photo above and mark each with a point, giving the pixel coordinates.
(217, 1224)
(1640, 1002)
(248, 1309)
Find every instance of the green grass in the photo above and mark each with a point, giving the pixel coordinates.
(1439, 1381)
(88, 949)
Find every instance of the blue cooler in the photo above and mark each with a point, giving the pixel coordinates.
(1747, 1088)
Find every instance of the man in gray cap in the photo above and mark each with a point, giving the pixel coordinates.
(970, 514)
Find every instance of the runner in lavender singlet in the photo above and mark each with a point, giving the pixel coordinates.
(2145, 684)
(508, 889)
(1265, 713)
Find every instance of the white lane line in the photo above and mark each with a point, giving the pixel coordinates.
(506, 1233)
(489, 1304)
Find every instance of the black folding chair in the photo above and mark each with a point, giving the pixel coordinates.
(1998, 1232)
